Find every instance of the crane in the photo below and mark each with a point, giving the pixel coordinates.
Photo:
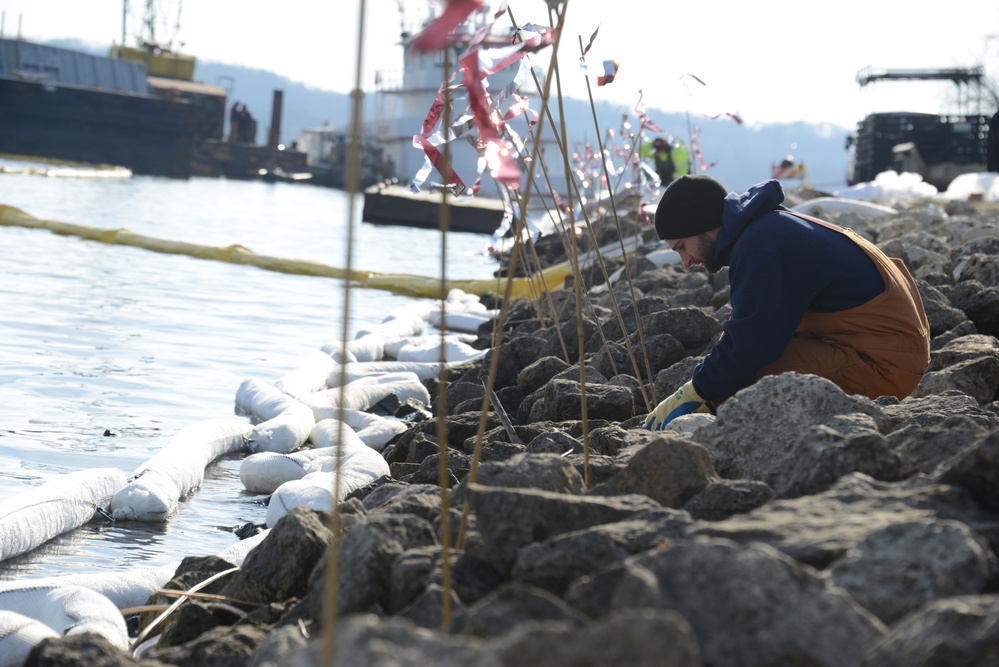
(976, 94)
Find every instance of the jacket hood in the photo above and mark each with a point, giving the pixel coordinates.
(740, 210)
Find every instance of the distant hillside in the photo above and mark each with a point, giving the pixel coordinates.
(302, 106)
(737, 155)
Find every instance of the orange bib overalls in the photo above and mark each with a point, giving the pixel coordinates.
(879, 348)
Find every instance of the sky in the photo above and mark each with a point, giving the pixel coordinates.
(766, 61)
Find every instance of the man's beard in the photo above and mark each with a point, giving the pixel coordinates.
(707, 251)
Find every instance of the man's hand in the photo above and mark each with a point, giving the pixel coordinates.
(683, 402)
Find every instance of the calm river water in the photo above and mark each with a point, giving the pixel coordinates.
(99, 338)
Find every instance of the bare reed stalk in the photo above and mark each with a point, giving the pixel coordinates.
(442, 434)
(564, 236)
(596, 248)
(547, 292)
(577, 276)
(331, 590)
(504, 308)
(624, 255)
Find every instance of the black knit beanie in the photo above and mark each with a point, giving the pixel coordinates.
(691, 205)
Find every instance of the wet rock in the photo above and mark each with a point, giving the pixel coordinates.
(278, 569)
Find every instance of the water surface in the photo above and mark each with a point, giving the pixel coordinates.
(106, 351)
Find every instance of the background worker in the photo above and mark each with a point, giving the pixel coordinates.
(806, 296)
(681, 158)
(671, 158)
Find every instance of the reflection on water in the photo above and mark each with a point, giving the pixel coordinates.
(106, 351)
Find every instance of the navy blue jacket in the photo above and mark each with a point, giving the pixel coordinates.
(780, 266)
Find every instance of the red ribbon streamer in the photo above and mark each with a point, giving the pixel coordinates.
(434, 36)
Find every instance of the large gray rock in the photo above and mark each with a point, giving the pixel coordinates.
(824, 455)
(670, 470)
(511, 605)
(279, 567)
(936, 409)
(537, 374)
(921, 449)
(820, 529)
(563, 400)
(977, 470)
(542, 471)
(554, 563)
(692, 327)
(637, 638)
(757, 429)
(749, 605)
(222, 646)
(978, 266)
(898, 568)
(366, 556)
(279, 643)
(720, 500)
(509, 519)
(90, 649)
(422, 500)
(978, 378)
(555, 442)
(969, 364)
(979, 303)
(955, 632)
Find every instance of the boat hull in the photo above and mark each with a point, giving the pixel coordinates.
(146, 134)
(395, 205)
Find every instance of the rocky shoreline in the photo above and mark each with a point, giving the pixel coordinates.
(800, 526)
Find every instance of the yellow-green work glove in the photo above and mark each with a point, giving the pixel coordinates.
(683, 402)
